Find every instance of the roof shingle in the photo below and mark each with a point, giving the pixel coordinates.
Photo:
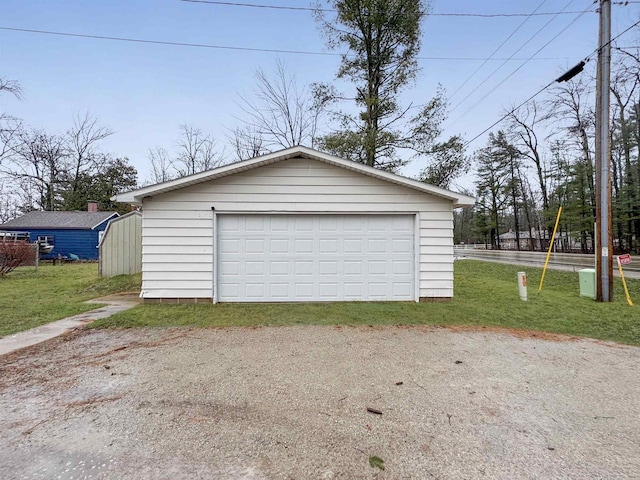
(80, 220)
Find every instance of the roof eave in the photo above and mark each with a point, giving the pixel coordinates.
(464, 201)
(108, 218)
(135, 197)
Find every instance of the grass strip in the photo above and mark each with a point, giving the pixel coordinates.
(30, 298)
(486, 295)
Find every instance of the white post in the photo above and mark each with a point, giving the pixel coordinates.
(522, 285)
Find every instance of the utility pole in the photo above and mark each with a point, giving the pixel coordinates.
(604, 239)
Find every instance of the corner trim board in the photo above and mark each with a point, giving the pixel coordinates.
(214, 236)
(416, 257)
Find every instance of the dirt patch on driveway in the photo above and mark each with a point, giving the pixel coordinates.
(291, 402)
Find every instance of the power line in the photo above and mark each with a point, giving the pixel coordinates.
(587, 58)
(496, 50)
(224, 47)
(162, 42)
(517, 69)
(255, 5)
(484, 97)
(488, 77)
(616, 37)
(331, 10)
(509, 113)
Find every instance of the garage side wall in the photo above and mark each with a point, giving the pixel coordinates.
(121, 248)
(177, 227)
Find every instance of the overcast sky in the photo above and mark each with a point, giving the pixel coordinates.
(143, 92)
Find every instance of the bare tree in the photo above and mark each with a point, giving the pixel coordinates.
(281, 113)
(8, 124)
(9, 128)
(8, 201)
(82, 142)
(38, 162)
(524, 124)
(196, 152)
(162, 169)
(572, 104)
(247, 143)
(624, 87)
(11, 86)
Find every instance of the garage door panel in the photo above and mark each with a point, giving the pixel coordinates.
(377, 245)
(279, 246)
(254, 290)
(304, 290)
(254, 245)
(402, 224)
(315, 257)
(401, 267)
(304, 224)
(279, 290)
(402, 289)
(378, 290)
(230, 224)
(377, 267)
(328, 246)
(353, 246)
(354, 226)
(401, 245)
(229, 268)
(328, 223)
(378, 224)
(230, 245)
(328, 290)
(279, 267)
(303, 267)
(352, 267)
(328, 267)
(255, 223)
(353, 290)
(303, 245)
(254, 268)
(229, 290)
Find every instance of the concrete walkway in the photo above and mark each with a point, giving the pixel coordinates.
(112, 304)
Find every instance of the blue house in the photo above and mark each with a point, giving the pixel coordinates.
(70, 233)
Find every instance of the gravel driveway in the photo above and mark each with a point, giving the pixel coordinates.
(291, 402)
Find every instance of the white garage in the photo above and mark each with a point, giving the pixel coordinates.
(296, 225)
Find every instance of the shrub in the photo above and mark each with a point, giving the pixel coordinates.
(13, 254)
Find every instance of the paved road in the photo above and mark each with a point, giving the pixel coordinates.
(557, 261)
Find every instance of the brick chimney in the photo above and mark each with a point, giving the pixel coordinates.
(92, 206)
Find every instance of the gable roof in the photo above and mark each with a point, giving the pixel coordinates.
(121, 218)
(60, 220)
(135, 197)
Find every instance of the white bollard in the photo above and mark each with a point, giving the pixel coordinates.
(522, 285)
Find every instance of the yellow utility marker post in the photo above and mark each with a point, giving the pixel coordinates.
(624, 260)
(553, 239)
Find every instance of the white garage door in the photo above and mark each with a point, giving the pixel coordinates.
(289, 258)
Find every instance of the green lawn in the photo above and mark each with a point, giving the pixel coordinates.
(486, 294)
(29, 298)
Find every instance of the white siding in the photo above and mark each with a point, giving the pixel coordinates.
(177, 243)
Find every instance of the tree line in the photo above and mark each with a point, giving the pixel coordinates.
(543, 158)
